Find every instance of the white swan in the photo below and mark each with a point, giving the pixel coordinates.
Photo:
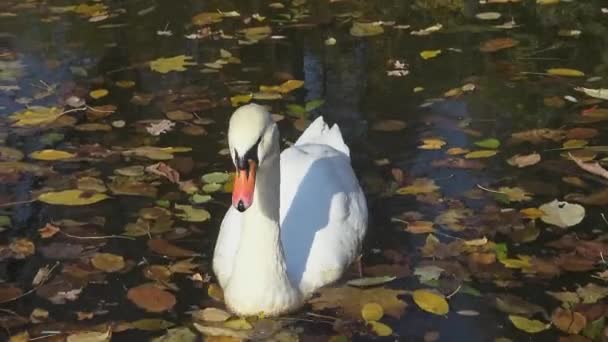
(298, 217)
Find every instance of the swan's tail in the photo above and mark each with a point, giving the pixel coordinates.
(320, 133)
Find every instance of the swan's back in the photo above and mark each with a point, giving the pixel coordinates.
(323, 212)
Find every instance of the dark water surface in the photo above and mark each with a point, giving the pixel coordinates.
(386, 97)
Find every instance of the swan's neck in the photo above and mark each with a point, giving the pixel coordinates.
(259, 281)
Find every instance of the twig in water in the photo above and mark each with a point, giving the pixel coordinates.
(604, 218)
(489, 190)
(453, 293)
(34, 288)
(10, 204)
(97, 237)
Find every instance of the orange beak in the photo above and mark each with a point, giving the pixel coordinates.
(244, 184)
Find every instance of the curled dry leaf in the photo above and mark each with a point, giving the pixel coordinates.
(164, 170)
(151, 298)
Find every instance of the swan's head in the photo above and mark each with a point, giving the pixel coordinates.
(251, 139)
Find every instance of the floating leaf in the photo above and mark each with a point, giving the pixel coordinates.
(351, 300)
(562, 214)
(51, 155)
(428, 54)
(419, 186)
(10, 154)
(166, 65)
(388, 125)
(431, 302)
(488, 15)
(151, 298)
(597, 93)
(498, 44)
(90, 336)
(211, 315)
(481, 154)
(488, 143)
(514, 194)
(372, 312)
(380, 329)
(207, 18)
(565, 72)
(524, 160)
(151, 324)
(528, 325)
(72, 197)
(108, 262)
(216, 177)
(99, 93)
(192, 214)
(238, 324)
(360, 29)
(36, 116)
(181, 334)
(432, 144)
(371, 281)
(570, 322)
(238, 100)
(257, 33)
(163, 247)
(125, 84)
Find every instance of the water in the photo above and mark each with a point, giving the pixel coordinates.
(459, 97)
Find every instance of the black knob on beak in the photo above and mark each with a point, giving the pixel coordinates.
(240, 206)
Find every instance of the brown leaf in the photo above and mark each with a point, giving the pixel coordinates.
(582, 133)
(151, 298)
(537, 136)
(594, 168)
(351, 300)
(22, 248)
(48, 231)
(9, 292)
(164, 170)
(459, 163)
(163, 247)
(524, 160)
(568, 321)
(388, 125)
(497, 44)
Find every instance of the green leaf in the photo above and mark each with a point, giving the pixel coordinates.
(192, 214)
(216, 177)
(314, 104)
(296, 110)
(488, 143)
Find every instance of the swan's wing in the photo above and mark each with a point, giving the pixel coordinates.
(323, 213)
(319, 133)
(226, 245)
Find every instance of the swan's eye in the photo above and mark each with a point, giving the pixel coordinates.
(242, 163)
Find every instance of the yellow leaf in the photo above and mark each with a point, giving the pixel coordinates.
(418, 89)
(98, 93)
(532, 213)
(574, 143)
(428, 54)
(566, 72)
(456, 151)
(431, 302)
(72, 197)
(125, 84)
(481, 154)
(206, 18)
(528, 325)
(381, 329)
(36, 116)
(240, 99)
(419, 186)
(476, 242)
(215, 292)
(372, 312)
(238, 324)
(350, 300)
(522, 261)
(166, 65)
(51, 155)
(108, 262)
(514, 194)
(432, 144)
(284, 88)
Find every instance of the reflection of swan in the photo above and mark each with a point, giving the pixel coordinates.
(298, 217)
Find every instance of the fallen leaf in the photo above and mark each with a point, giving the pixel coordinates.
(192, 214)
(22, 248)
(565, 72)
(528, 325)
(562, 214)
(181, 334)
(488, 143)
(36, 116)
(597, 93)
(524, 160)
(481, 154)
(570, 322)
(238, 324)
(380, 329)
(151, 298)
(388, 125)
(108, 262)
(72, 197)
(432, 144)
(488, 15)
(151, 324)
(360, 29)
(211, 315)
(419, 186)
(164, 170)
(351, 300)
(592, 293)
(428, 54)
(514, 194)
(207, 18)
(420, 227)
(99, 93)
(594, 168)
(51, 155)
(372, 312)
(163, 247)
(176, 63)
(430, 301)
(48, 231)
(497, 44)
(371, 281)
(537, 136)
(90, 336)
